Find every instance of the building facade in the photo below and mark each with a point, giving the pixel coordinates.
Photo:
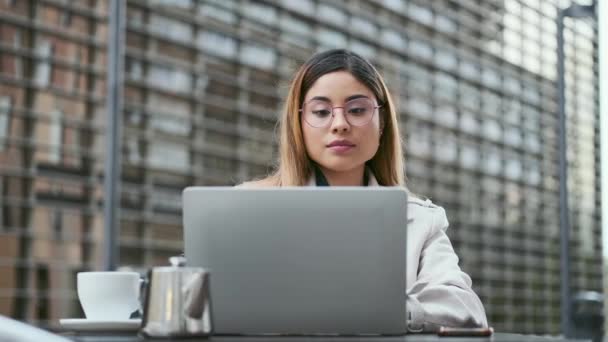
(474, 81)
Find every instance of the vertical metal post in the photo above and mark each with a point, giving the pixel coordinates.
(564, 213)
(115, 57)
(573, 11)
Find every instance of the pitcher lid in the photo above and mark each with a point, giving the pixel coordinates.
(177, 261)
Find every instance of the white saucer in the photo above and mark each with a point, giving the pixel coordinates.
(83, 324)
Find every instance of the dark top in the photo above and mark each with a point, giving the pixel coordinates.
(322, 181)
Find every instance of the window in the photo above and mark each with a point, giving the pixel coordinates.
(395, 5)
(531, 62)
(490, 77)
(491, 212)
(492, 130)
(331, 38)
(168, 156)
(77, 76)
(168, 115)
(586, 224)
(135, 18)
(513, 136)
(490, 103)
(217, 43)
(419, 78)
(512, 111)
(513, 168)
(512, 85)
(18, 61)
(134, 69)
(393, 39)
(363, 26)
(165, 199)
(492, 161)
(289, 23)
(532, 95)
(512, 54)
(421, 14)
(133, 152)
(469, 123)
(222, 165)
(445, 59)
(532, 142)
(533, 173)
(261, 13)
(5, 120)
(55, 136)
(530, 16)
(332, 14)
(185, 4)
(421, 49)
(469, 156)
(217, 13)
(133, 117)
(446, 115)
(531, 118)
(446, 86)
(365, 50)
(170, 124)
(445, 146)
(169, 28)
(42, 74)
(420, 141)
(230, 4)
(57, 223)
(258, 56)
(469, 70)
(170, 79)
(511, 21)
(445, 24)
(469, 96)
(419, 107)
(302, 6)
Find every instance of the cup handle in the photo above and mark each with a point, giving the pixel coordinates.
(144, 295)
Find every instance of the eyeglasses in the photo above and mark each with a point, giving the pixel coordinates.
(357, 112)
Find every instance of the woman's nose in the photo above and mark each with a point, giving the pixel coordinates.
(339, 122)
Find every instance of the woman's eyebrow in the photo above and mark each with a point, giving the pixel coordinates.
(352, 97)
(321, 98)
(357, 96)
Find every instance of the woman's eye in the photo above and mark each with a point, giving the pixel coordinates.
(322, 112)
(357, 111)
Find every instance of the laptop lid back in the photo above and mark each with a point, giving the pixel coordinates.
(301, 260)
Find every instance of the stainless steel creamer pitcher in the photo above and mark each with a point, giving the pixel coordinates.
(177, 301)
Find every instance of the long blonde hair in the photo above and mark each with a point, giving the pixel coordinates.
(294, 165)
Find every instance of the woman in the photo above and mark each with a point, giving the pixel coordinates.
(339, 128)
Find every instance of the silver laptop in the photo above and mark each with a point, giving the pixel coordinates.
(301, 260)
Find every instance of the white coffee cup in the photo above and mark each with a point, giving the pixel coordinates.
(108, 295)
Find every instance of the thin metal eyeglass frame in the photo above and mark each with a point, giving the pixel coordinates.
(374, 108)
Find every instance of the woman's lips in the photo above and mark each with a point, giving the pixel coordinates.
(341, 148)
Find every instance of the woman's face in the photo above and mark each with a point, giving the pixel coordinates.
(340, 146)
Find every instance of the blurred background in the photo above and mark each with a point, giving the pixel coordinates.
(475, 82)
